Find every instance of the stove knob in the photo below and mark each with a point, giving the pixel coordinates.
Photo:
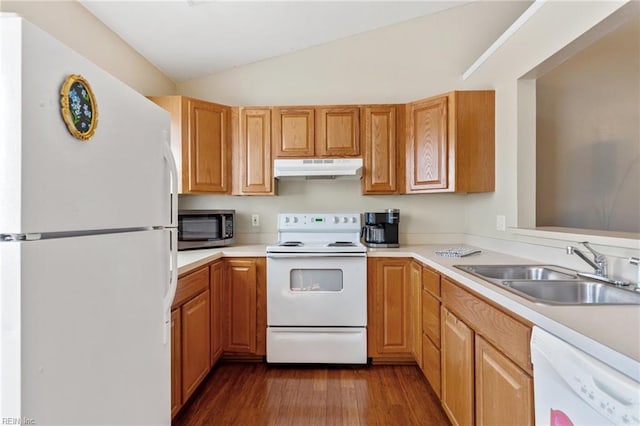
(336, 219)
(286, 219)
(345, 219)
(353, 219)
(295, 219)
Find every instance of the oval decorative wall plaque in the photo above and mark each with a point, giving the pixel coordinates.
(79, 107)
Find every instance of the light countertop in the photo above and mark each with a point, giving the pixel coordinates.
(607, 332)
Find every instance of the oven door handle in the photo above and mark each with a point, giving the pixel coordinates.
(303, 255)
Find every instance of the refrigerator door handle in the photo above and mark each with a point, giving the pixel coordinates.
(173, 172)
(173, 283)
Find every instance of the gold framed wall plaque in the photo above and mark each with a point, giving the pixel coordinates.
(78, 106)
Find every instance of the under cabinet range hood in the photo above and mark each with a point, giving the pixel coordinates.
(317, 168)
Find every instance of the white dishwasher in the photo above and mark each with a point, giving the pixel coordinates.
(573, 388)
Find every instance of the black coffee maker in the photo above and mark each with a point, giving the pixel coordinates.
(381, 229)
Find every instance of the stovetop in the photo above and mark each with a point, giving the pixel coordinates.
(317, 247)
(318, 233)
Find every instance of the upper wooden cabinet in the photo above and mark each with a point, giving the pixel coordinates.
(380, 149)
(427, 153)
(337, 131)
(253, 167)
(327, 131)
(201, 143)
(293, 132)
(450, 143)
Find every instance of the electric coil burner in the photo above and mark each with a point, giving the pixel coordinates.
(317, 290)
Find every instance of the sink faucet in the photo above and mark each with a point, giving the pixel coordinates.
(599, 262)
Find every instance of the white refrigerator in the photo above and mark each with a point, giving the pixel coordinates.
(87, 244)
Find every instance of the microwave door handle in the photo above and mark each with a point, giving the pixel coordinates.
(173, 173)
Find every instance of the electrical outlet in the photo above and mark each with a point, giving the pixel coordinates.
(255, 220)
(501, 223)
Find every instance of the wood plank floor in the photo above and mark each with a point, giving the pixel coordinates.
(261, 394)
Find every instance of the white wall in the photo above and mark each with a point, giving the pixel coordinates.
(399, 63)
(588, 137)
(72, 24)
(437, 218)
(557, 24)
(406, 62)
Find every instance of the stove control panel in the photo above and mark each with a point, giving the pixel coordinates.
(319, 222)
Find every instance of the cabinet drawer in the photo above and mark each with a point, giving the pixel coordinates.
(431, 363)
(503, 331)
(190, 285)
(431, 281)
(431, 317)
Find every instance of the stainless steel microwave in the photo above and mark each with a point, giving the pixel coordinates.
(205, 228)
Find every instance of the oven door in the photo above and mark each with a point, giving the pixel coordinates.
(316, 289)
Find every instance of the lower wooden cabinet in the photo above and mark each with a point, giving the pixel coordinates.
(240, 306)
(176, 362)
(503, 391)
(415, 276)
(190, 336)
(457, 369)
(218, 308)
(389, 324)
(216, 283)
(196, 332)
(245, 306)
(431, 364)
(474, 354)
(430, 327)
(483, 383)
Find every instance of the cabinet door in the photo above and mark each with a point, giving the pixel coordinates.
(504, 393)
(261, 306)
(457, 370)
(416, 311)
(427, 148)
(431, 317)
(240, 305)
(392, 308)
(195, 342)
(293, 132)
(209, 153)
(176, 363)
(431, 364)
(215, 288)
(338, 132)
(378, 130)
(255, 165)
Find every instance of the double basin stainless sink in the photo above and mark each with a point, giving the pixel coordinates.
(553, 285)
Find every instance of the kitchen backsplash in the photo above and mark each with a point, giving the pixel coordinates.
(420, 214)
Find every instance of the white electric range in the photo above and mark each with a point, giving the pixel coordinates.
(317, 290)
